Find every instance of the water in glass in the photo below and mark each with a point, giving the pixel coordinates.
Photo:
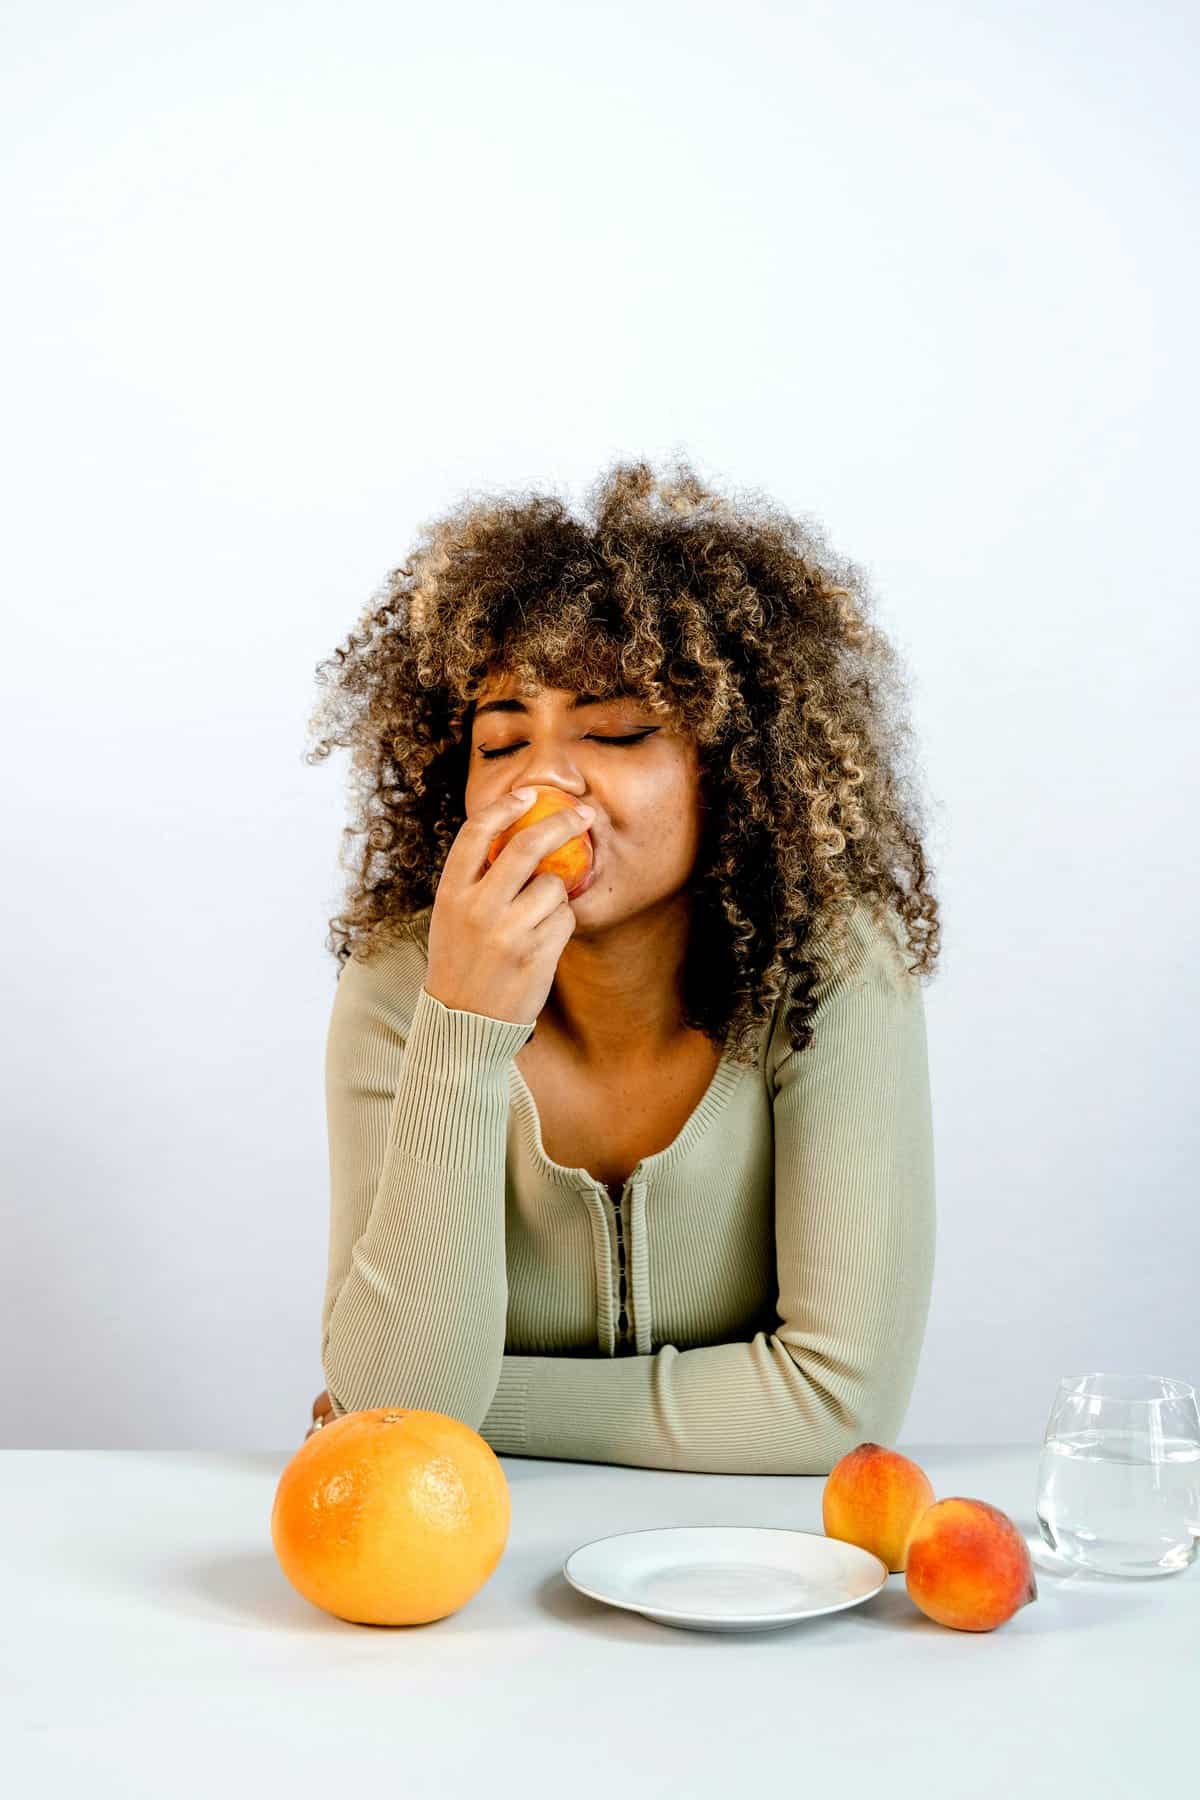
(1119, 1475)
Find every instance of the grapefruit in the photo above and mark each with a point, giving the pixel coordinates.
(391, 1516)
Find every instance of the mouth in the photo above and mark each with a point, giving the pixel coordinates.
(584, 885)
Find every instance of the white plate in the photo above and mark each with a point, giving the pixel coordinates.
(725, 1577)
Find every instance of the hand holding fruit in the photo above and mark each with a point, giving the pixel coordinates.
(964, 1561)
(495, 935)
(573, 860)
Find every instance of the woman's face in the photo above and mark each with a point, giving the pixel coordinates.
(646, 789)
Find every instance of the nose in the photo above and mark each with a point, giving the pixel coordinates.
(574, 793)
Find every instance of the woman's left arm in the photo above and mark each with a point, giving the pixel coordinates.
(322, 1412)
(854, 1233)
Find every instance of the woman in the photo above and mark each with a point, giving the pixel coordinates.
(642, 1173)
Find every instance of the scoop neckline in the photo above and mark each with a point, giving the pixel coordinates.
(725, 1077)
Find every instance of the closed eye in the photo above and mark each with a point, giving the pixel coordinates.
(488, 755)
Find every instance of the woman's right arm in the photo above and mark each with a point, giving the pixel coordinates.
(417, 1095)
(417, 1098)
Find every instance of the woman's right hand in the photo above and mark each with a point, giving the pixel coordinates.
(495, 937)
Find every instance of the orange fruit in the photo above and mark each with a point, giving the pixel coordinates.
(572, 860)
(391, 1516)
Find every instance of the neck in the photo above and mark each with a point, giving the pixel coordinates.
(616, 999)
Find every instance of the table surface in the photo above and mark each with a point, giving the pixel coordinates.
(152, 1645)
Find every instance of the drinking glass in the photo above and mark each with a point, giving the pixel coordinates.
(1119, 1474)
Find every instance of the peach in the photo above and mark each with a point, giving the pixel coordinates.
(874, 1497)
(968, 1565)
(572, 860)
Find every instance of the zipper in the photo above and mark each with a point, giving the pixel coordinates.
(623, 1334)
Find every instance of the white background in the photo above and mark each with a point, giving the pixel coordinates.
(283, 281)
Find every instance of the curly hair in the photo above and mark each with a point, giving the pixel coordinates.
(732, 620)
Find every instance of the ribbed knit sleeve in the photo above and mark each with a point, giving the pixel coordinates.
(417, 1292)
(854, 1235)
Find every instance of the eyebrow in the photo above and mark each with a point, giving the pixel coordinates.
(573, 705)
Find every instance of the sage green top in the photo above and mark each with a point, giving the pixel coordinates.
(757, 1303)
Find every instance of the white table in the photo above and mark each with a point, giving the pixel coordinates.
(152, 1646)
